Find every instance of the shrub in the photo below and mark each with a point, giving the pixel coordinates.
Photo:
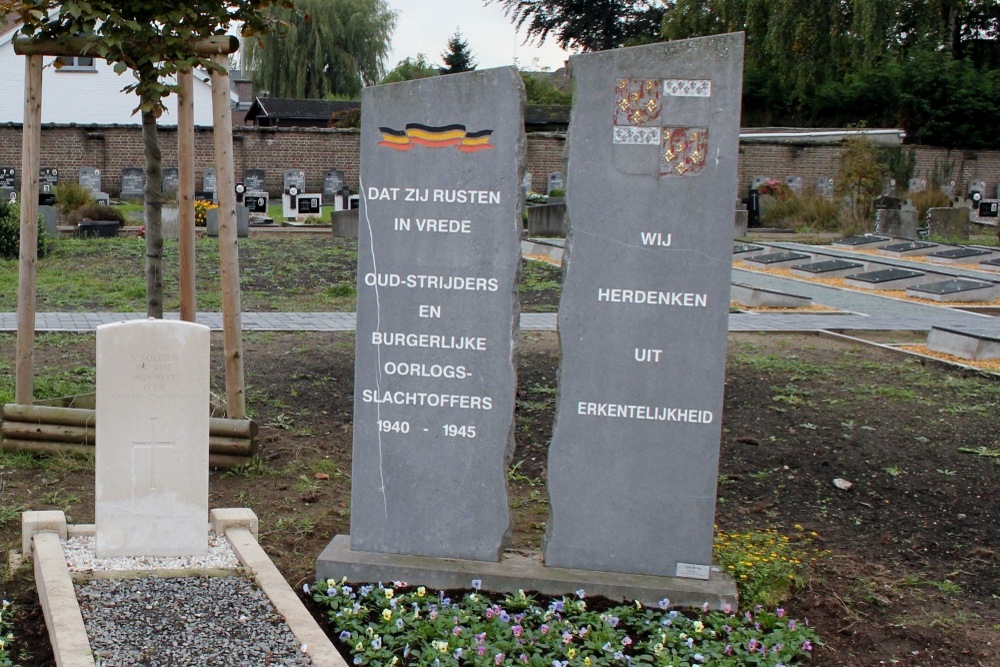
(10, 232)
(71, 196)
(201, 209)
(95, 212)
(860, 180)
(929, 198)
(798, 211)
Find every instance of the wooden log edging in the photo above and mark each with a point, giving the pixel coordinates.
(51, 430)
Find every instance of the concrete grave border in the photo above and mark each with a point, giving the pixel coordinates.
(41, 540)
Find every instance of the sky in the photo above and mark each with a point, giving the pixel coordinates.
(423, 26)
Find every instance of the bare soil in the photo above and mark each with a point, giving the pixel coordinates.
(911, 577)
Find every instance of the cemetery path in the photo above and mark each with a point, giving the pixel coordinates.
(910, 578)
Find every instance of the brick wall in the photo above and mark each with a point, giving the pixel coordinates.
(112, 148)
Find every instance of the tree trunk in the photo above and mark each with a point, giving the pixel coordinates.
(153, 216)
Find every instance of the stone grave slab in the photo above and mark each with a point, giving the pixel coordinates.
(8, 178)
(794, 183)
(48, 179)
(957, 289)
(50, 219)
(8, 195)
(967, 344)
(886, 279)
(133, 183)
(744, 250)
(210, 180)
(151, 493)
(907, 248)
(438, 256)
(751, 296)
(255, 180)
(633, 461)
(773, 260)
(90, 178)
(991, 264)
(896, 222)
(554, 182)
(333, 183)
(171, 181)
(861, 240)
(950, 223)
(296, 177)
(829, 268)
(962, 255)
(825, 187)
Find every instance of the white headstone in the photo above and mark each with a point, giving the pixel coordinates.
(151, 495)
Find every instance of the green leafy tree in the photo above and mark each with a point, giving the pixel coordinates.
(539, 89)
(411, 68)
(589, 25)
(323, 47)
(457, 57)
(154, 40)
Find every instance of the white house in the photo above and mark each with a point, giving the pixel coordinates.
(86, 91)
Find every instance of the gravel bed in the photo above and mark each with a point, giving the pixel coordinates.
(80, 557)
(185, 621)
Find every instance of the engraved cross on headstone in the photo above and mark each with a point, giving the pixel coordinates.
(152, 445)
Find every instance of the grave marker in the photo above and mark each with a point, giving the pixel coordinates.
(825, 188)
(90, 178)
(8, 184)
(554, 182)
(255, 180)
(133, 183)
(151, 494)
(209, 180)
(633, 461)
(437, 263)
(333, 183)
(296, 177)
(794, 183)
(48, 179)
(171, 182)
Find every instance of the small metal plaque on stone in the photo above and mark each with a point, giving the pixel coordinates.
(861, 239)
(777, 257)
(741, 248)
(959, 253)
(827, 266)
(885, 275)
(951, 286)
(907, 246)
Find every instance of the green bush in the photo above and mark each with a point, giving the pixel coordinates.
(95, 212)
(10, 232)
(800, 211)
(71, 196)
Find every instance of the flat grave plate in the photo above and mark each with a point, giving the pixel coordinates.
(951, 286)
(885, 276)
(777, 257)
(959, 253)
(991, 262)
(862, 239)
(740, 248)
(907, 246)
(827, 265)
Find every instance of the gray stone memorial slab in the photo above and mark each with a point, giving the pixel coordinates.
(526, 182)
(794, 183)
(50, 220)
(991, 263)
(917, 184)
(333, 183)
(829, 268)
(777, 259)
(633, 461)
(950, 223)
(8, 178)
(886, 279)
(90, 177)
(438, 256)
(907, 248)
(8, 195)
(209, 180)
(151, 490)
(957, 289)
(171, 181)
(975, 345)
(743, 250)
(824, 188)
(960, 255)
(255, 180)
(861, 240)
(896, 222)
(133, 183)
(296, 177)
(554, 182)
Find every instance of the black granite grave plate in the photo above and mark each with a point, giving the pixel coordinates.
(951, 286)
(959, 253)
(862, 239)
(991, 262)
(740, 248)
(827, 266)
(907, 246)
(885, 275)
(777, 257)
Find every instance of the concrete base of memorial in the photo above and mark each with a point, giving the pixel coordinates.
(519, 572)
(965, 344)
(42, 534)
(759, 297)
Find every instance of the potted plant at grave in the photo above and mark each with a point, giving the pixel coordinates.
(96, 220)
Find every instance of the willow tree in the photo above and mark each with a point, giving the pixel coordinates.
(154, 40)
(322, 48)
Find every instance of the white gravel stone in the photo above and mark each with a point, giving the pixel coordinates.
(80, 557)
